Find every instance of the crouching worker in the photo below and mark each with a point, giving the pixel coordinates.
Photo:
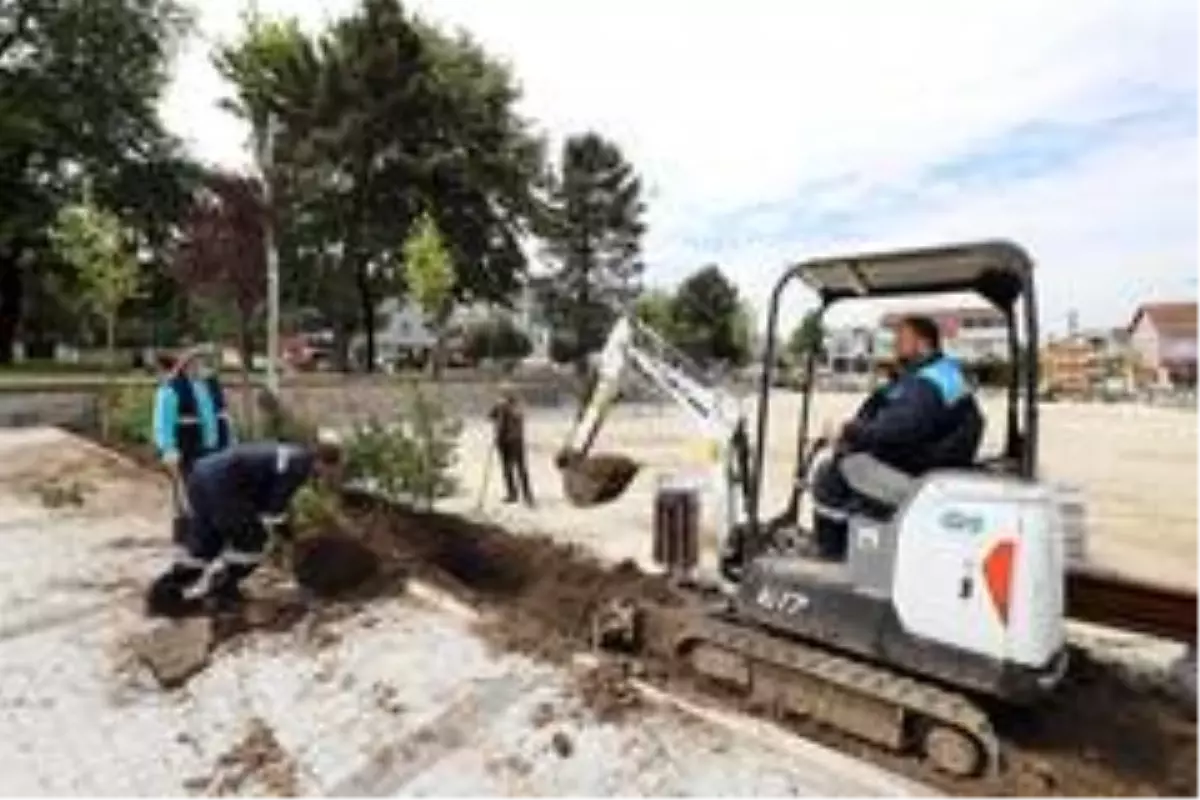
(237, 500)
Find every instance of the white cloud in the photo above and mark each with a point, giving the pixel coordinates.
(731, 107)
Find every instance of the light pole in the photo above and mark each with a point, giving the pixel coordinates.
(267, 164)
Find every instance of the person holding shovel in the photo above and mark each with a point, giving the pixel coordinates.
(238, 500)
(190, 421)
(508, 422)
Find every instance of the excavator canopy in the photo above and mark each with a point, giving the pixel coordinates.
(999, 271)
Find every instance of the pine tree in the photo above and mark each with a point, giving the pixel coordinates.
(594, 234)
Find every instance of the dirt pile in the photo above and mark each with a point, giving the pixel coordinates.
(257, 760)
(333, 565)
(1098, 736)
(546, 591)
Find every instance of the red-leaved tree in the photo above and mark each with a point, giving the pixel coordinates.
(221, 253)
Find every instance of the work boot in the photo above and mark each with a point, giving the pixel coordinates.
(165, 596)
(225, 591)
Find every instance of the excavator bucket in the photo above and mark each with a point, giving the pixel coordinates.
(598, 479)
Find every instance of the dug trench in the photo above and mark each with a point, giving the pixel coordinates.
(1098, 735)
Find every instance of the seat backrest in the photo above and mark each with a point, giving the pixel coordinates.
(960, 446)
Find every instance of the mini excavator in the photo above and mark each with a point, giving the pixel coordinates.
(951, 595)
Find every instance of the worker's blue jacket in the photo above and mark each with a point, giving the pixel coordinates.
(248, 482)
(923, 408)
(190, 419)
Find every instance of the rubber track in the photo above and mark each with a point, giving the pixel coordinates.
(917, 699)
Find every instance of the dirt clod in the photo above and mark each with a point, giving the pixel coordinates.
(175, 651)
(562, 744)
(332, 565)
(257, 759)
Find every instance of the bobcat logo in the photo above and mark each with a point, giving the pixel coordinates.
(960, 521)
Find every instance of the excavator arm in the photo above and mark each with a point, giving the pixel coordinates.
(635, 349)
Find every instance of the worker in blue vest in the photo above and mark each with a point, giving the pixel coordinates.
(191, 419)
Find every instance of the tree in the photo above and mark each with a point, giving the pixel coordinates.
(594, 231)
(99, 248)
(82, 80)
(382, 117)
(497, 339)
(808, 337)
(709, 318)
(655, 308)
(430, 274)
(221, 255)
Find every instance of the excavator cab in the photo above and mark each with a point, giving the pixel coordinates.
(999, 272)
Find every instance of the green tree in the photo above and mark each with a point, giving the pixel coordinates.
(655, 308)
(808, 337)
(430, 275)
(497, 339)
(381, 117)
(594, 232)
(709, 318)
(81, 83)
(96, 245)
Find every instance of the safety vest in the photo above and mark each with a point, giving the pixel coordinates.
(189, 432)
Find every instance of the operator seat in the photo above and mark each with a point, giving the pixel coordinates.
(882, 488)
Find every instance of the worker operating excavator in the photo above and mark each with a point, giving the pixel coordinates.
(925, 418)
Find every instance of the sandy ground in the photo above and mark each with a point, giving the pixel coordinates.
(1135, 465)
(400, 698)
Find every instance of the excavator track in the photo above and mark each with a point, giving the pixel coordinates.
(790, 678)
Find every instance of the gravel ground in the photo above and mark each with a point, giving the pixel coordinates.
(402, 697)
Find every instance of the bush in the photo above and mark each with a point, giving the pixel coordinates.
(127, 414)
(410, 457)
(497, 339)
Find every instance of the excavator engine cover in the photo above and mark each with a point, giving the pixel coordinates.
(594, 480)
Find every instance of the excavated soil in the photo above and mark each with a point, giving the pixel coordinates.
(1098, 736)
(597, 479)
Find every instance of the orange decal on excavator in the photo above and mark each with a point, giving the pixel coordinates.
(997, 570)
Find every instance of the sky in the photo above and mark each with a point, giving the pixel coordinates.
(771, 131)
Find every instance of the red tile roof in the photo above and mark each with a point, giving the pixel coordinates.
(1173, 320)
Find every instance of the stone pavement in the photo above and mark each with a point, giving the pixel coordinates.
(400, 698)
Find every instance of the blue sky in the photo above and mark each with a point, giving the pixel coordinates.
(768, 131)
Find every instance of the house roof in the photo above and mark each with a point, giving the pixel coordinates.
(1175, 320)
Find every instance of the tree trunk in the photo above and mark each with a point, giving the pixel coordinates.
(366, 310)
(110, 347)
(11, 294)
(246, 351)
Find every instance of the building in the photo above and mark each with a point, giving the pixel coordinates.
(1087, 363)
(972, 334)
(1163, 338)
(848, 350)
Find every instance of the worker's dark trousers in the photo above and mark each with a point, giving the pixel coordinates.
(832, 498)
(516, 472)
(238, 541)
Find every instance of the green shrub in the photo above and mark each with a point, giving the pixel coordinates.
(127, 414)
(409, 457)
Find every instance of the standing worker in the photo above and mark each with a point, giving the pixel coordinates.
(508, 421)
(191, 419)
(238, 499)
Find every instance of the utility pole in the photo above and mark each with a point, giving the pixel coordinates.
(267, 165)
